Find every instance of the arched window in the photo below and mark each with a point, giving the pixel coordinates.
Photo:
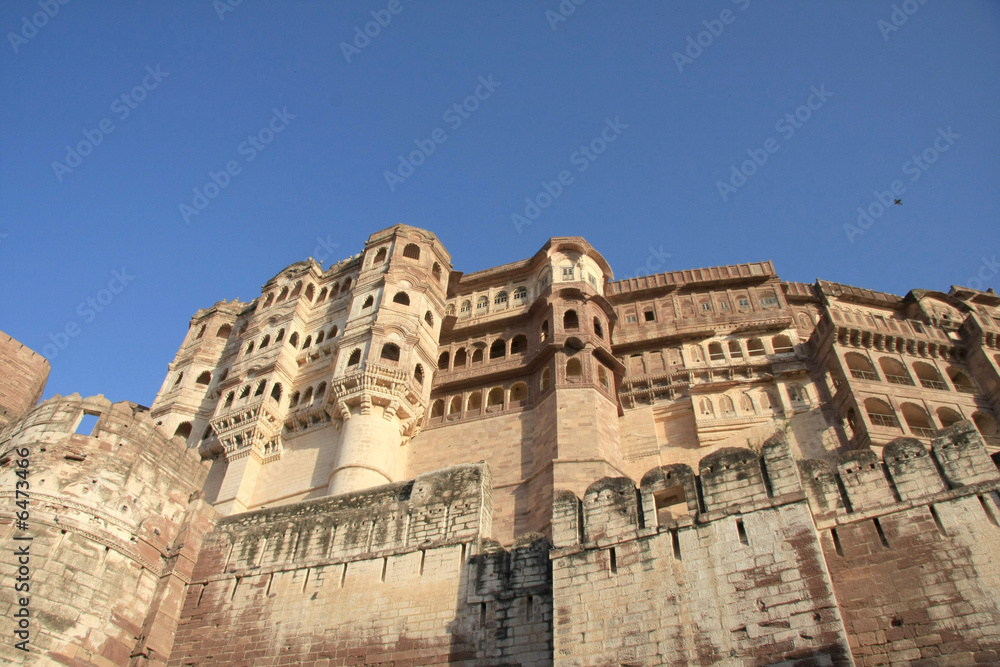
(264, 342)
(498, 350)
(860, 366)
(268, 300)
(746, 402)
(293, 340)
(320, 336)
(437, 409)
(283, 294)
(418, 374)
(380, 256)
(207, 433)
(461, 358)
(333, 289)
(518, 393)
(450, 310)
(201, 332)
(322, 296)
(183, 430)
(369, 302)
(987, 426)
(962, 382)
(307, 396)
(570, 320)
(917, 420)
(276, 392)
(205, 378)
(401, 298)
(894, 371)
(735, 351)
(482, 304)
(296, 291)
(294, 400)
(390, 352)
(334, 330)
(475, 403)
(223, 375)
(347, 285)
(705, 407)
(477, 356)
(715, 352)
(180, 376)
(436, 271)
(245, 391)
(880, 413)
(520, 293)
(545, 380)
(765, 400)
(947, 417)
(429, 318)
(260, 388)
(249, 347)
(280, 336)
(321, 390)
(726, 407)
(466, 307)
(310, 291)
(544, 333)
(768, 300)
(411, 251)
(782, 345)
(755, 347)
(519, 344)
(456, 406)
(602, 377)
(355, 357)
(224, 331)
(500, 300)
(929, 376)
(308, 341)
(494, 400)
(724, 305)
(574, 370)
(443, 361)
(696, 353)
(229, 399)
(598, 329)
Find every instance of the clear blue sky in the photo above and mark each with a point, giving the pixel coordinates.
(680, 126)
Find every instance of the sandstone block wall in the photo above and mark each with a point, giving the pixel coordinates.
(720, 568)
(23, 373)
(116, 522)
(911, 544)
(400, 574)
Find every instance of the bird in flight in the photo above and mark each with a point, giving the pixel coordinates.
(898, 202)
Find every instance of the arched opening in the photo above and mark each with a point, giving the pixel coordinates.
(201, 332)
(929, 376)
(249, 347)
(574, 370)
(987, 426)
(962, 382)
(334, 330)
(307, 396)
(456, 406)
(735, 351)
(570, 320)
(418, 374)
(205, 378)
(293, 340)
(518, 393)
(296, 291)
(475, 403)
(498, 350)
(380, 256)
(746, 402)
(726, 406)
(183, 430)
(545, 380)
(429, 318)
(482, 304)
(880, 413)
(320, 336)
(307, 342)
(860, 366)
(207, 433)
(180, 376)
(411, 251)
(755, 347)
(369, 302)
(224, 331)
(715, 352)
(280, 336)
(494, 400)
(782, 345)
(264, 342)
(520, 294)
(705, 407)
(598, 329)
(449, 310)
(436, 271)
(602, 377)
(245, 391)
(500, 300)
(696, 354)
(519, 344)
(917, 420)
(543, 334)
(347, 285)
(443, 361)
(466, 308)
(894, 371)
(461, 358)
(390, 352)
(477, 356)
(947, 417)
(229, 399)
(282, 295)
(260, 388)
(401, 298)
(310, 292)
(322, 296)
(355, 357)
(268, 300)
(321, 390)
(294, 400)
(437, 409)
(276, 392)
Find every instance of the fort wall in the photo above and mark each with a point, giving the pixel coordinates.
(23, 373)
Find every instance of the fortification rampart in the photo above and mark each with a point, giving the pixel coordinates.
(23, 373)
(403, 573)
(116, 523)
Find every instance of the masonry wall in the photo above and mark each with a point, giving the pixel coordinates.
(23, 373)
(116, 522)
(694, 570)
(911, 544)
(399, 574)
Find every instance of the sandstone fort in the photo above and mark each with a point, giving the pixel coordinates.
(390, 462)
